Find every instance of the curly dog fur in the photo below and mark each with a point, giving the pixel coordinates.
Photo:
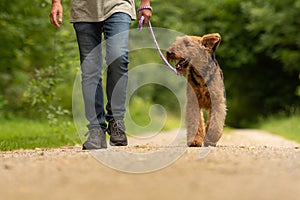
(205, 88)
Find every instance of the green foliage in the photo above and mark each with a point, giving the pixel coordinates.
(24, 48)
(34, 59)
(276, 25)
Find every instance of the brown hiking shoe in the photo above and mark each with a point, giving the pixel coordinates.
(116, 130)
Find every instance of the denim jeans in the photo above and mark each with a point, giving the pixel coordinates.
(89, 37)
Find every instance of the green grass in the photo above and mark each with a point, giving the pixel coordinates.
(30, 134)
(287, 127)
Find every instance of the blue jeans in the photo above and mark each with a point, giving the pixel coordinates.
(116, 31)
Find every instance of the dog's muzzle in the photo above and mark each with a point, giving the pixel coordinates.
(182, 62)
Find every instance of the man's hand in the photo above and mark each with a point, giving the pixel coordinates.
(56, 13)
(145, 12)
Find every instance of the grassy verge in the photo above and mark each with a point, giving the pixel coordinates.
(30, 134)
(287, 127)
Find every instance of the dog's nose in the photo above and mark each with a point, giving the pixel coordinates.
(170, 53)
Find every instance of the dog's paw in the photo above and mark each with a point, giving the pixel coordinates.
(194, 143)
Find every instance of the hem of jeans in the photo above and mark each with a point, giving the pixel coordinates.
(91, 126)
(109, 119)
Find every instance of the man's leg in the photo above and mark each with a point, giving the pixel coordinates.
(116, 32)
(89, 42)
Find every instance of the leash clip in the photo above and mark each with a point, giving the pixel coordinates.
(141, 21)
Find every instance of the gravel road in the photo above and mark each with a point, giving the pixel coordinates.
(246, 164)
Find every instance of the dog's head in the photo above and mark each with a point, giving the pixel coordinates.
(192, 49)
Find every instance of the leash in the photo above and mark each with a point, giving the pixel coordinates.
(156, 44)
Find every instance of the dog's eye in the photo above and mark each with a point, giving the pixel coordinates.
(187, 43)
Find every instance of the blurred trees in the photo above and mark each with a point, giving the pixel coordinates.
(259, 54)
(35, 59)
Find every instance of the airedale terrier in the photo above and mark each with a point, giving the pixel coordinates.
(205, 88)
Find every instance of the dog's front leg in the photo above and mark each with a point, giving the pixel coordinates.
(194, 120)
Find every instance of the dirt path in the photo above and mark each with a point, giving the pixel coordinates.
(247, 164)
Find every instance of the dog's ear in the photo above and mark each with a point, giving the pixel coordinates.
(211, 41)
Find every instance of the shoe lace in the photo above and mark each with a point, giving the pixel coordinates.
(118, 128)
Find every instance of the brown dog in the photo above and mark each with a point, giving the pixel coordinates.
(205, 88)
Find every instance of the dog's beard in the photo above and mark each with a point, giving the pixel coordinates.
(181, 64)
